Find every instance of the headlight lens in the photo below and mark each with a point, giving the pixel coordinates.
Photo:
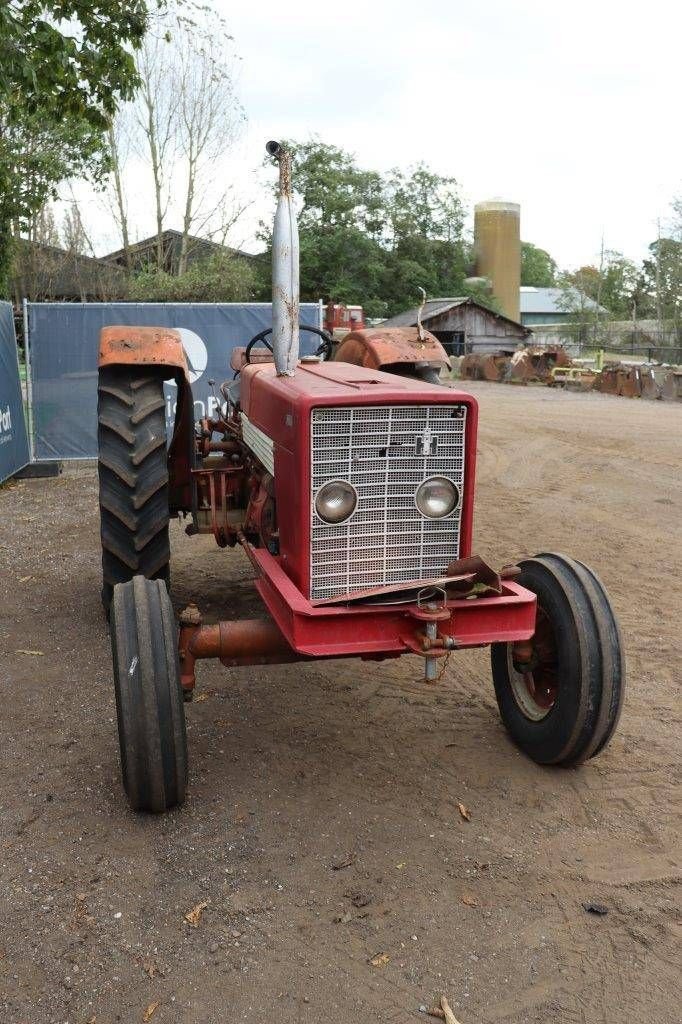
(336, 501)
(437, 497)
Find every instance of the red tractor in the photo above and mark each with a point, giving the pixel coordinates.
(351, 490)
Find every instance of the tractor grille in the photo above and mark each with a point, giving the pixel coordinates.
(385, 452)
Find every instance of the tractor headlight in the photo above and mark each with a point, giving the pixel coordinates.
(336, 501)
(437, 497)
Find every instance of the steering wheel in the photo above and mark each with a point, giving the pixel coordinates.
(324, 349)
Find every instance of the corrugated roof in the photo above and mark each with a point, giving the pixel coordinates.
(436, 307)
(554, 300)
(431, 308)
(170, 235)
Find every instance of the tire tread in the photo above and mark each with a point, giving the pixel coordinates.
(133, 476)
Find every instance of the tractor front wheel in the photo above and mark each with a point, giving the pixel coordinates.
(560, 694)
(149, 704)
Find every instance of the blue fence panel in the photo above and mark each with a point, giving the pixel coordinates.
(63, 345)
(14, 453)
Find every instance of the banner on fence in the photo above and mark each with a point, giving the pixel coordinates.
(63, 347)
(14, 453)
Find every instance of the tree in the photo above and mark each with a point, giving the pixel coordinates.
(185, 118)
(427, 248)
(118, 143)
(333, 192)
(661, 280)
(341, 218)
(220, 278)
(374, 238)
(619, 284)
(210, 120)
(156, 116)
(538, 269)
(63, 69)
(579, 291)
(422, 203)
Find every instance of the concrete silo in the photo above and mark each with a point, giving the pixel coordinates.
(497, 251)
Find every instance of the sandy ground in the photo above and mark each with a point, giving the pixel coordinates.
(297, 770)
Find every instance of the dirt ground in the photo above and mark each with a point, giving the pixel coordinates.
(321, 827)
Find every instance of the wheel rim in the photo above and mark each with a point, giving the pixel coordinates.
(536, 686)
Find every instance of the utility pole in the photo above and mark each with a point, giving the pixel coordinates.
(599, 288)
(659, 317)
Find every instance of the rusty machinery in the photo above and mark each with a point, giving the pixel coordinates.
(351, 492)
(407, 351)
(531, 364)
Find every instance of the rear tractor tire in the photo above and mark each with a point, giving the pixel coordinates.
(561, 705)
(133, 476)
(149, 704)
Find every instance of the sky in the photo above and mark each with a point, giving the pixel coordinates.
(571, 110)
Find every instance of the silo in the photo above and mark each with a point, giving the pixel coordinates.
(497, 251)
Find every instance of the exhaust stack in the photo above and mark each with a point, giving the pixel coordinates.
(285, 270)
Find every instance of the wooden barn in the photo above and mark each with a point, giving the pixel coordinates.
(463, 325)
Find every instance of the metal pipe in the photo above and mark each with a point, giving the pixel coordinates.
(242, 642)
(236, 642)
(285, 270)
(29, 380)
(430, 661)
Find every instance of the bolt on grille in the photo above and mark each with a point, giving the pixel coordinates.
(385, 452)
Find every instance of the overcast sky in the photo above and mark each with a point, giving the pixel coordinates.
(572, 110)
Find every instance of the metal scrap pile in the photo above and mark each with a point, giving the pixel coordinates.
(524, 366)
(553, 366)
(644, 380)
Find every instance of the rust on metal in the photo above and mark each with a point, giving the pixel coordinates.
(481, 573)
(238, 642)
(238, 357)
(484, 366)
(525, 365)
(420, 327)
(536, 661)
(151, 346)
(285, 270)
(218, 488)
(671, 390)
(651, 384)
(379, 347)
(621, 379)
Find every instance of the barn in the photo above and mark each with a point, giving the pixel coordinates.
(463, 325)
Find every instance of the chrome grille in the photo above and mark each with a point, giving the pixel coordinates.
(385, 452)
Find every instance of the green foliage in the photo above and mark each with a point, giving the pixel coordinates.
(374, 238)
(660, 283)
(624, 289)
(619, 283)
(579, 291)
(538, 269)
(423, 204)
(334, 192)
(613, 286)
(63, 68)
(220, 278)
(68, 58)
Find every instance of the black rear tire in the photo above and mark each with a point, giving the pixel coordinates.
(149, 703)
(133, 476)
(565, 706)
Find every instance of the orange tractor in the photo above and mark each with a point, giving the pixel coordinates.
(351, 491)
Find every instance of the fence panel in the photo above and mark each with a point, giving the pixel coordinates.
(14, 453)
(63, 341)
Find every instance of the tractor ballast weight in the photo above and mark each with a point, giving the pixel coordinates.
(351, 491)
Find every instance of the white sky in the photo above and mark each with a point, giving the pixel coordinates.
(572, 110)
